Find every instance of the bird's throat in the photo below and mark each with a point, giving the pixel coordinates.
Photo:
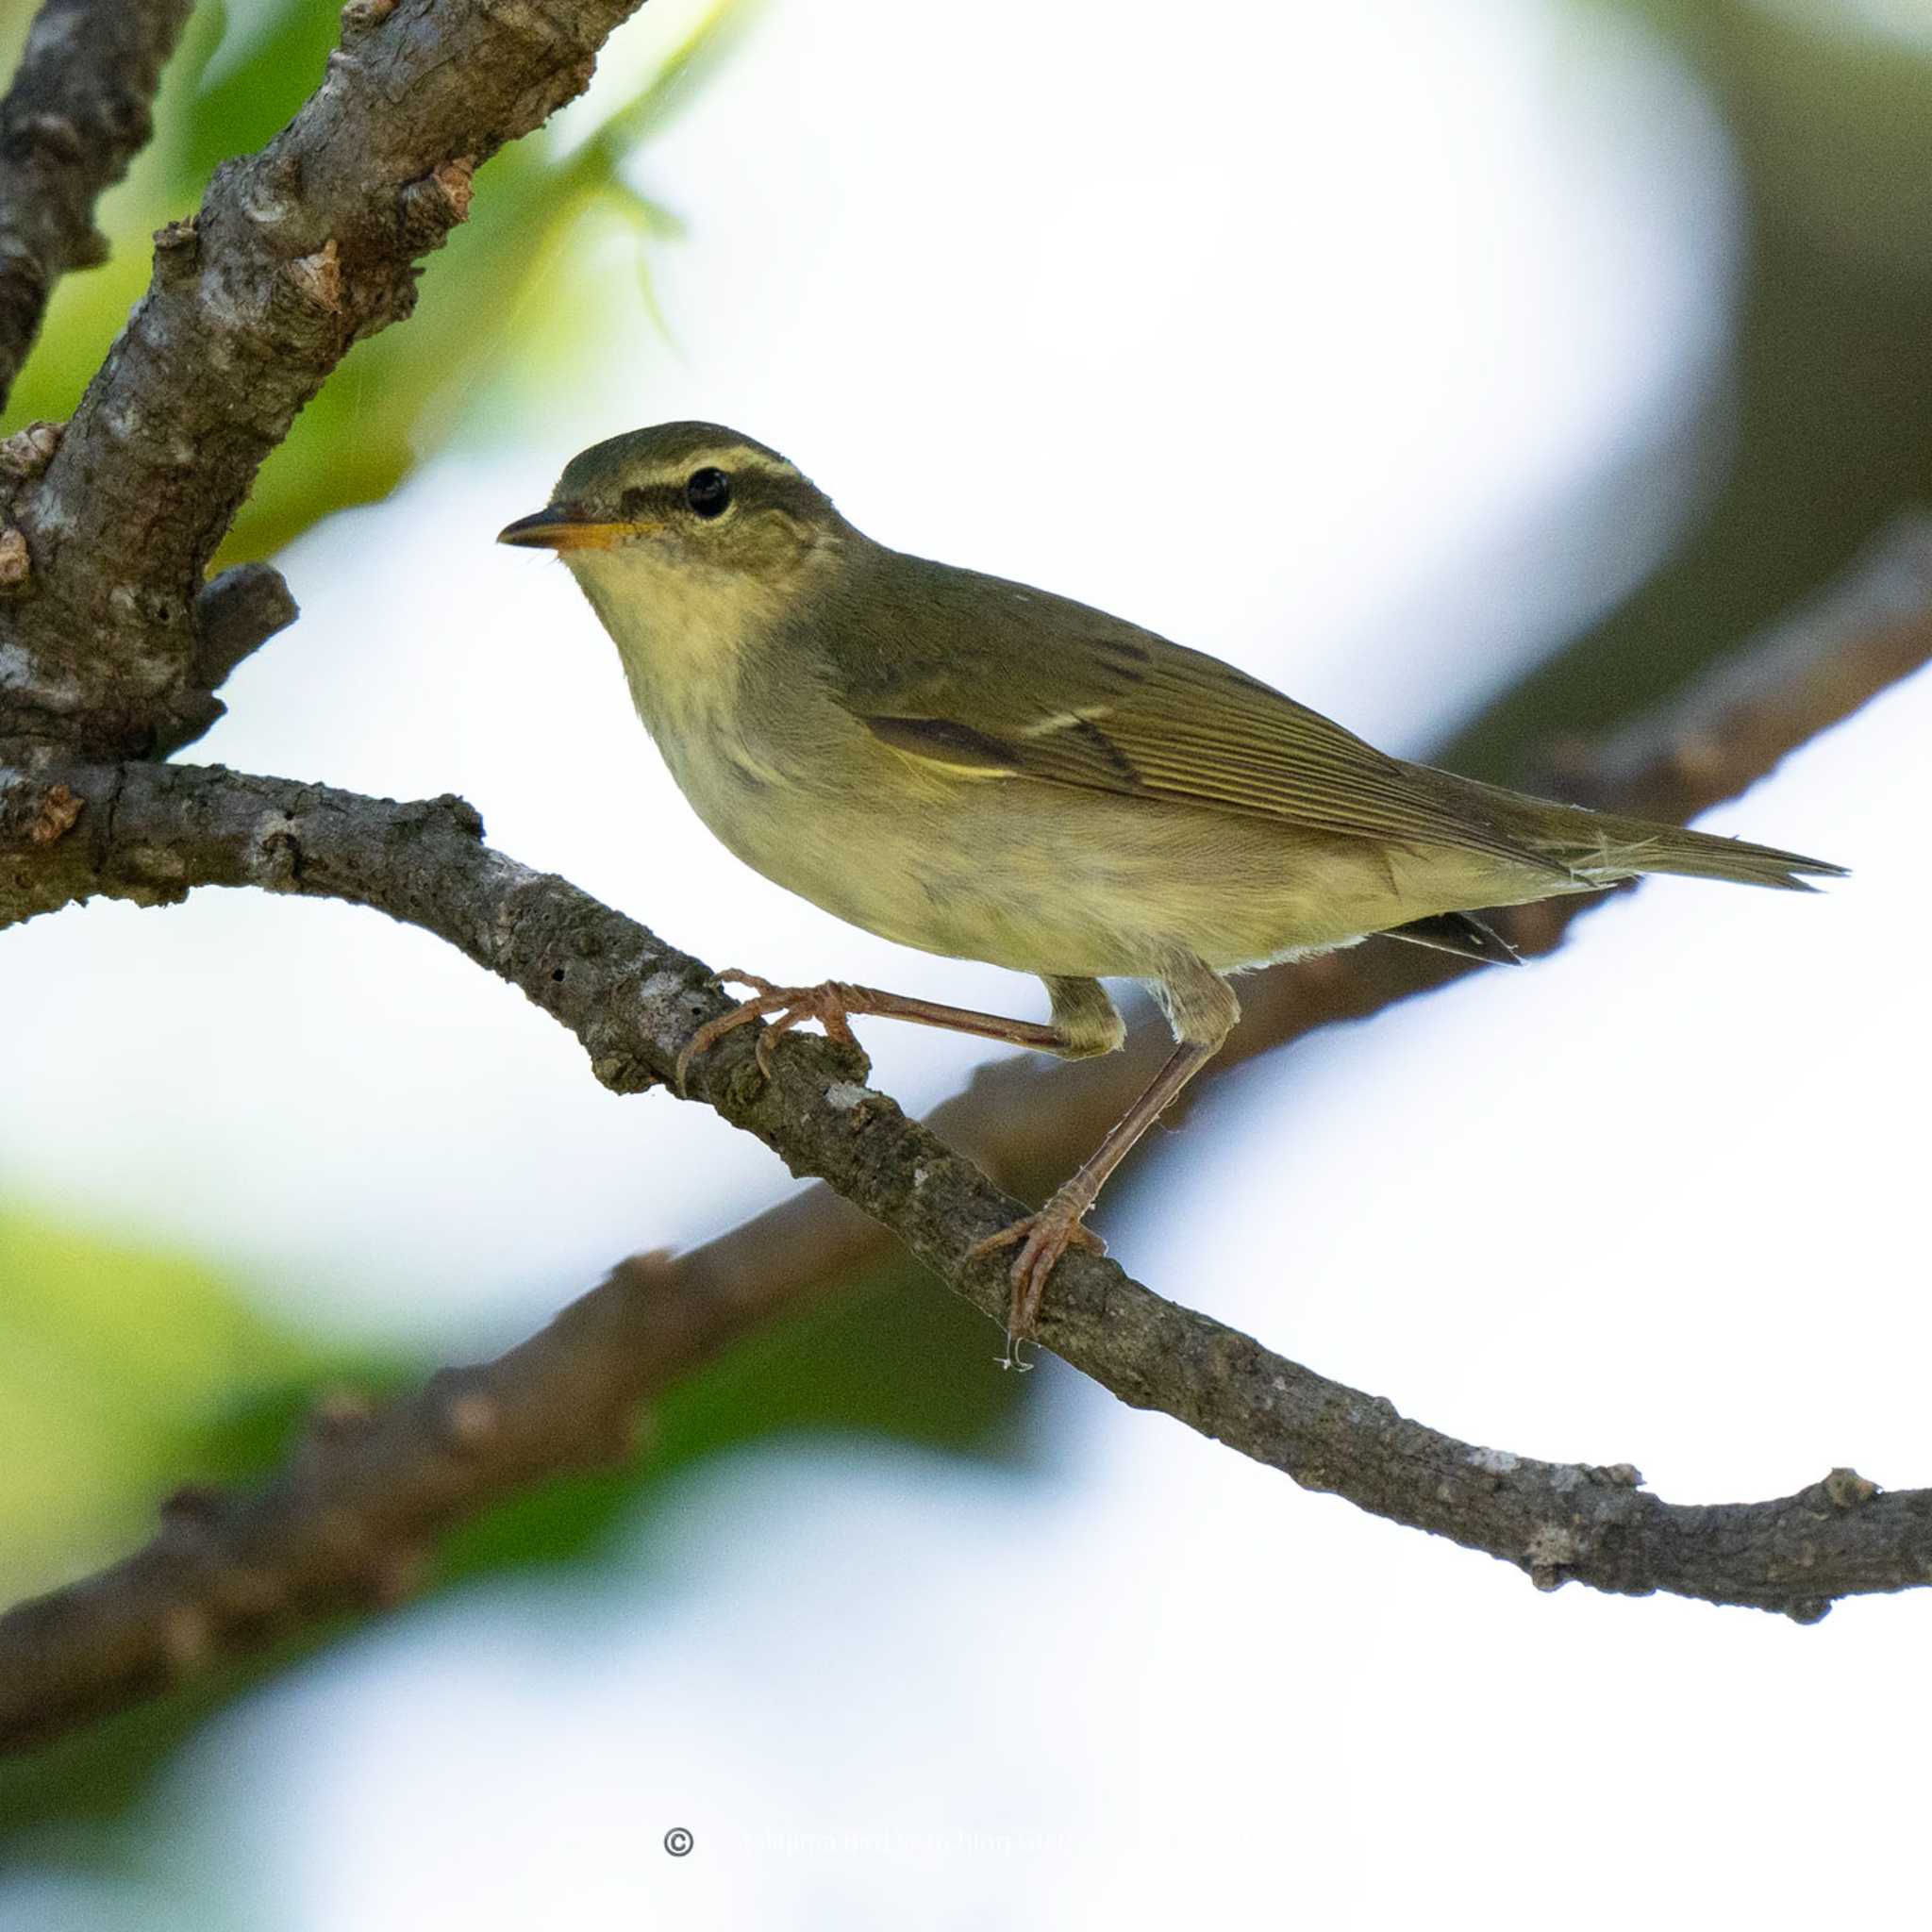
(682, 629)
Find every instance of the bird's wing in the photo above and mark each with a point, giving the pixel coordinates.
(1011, 682)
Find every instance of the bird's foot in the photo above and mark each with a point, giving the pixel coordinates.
(1042, 1237)
(830, 1004)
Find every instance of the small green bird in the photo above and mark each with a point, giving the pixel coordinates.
(991, 772)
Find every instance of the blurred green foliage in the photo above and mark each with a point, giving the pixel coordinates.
(120, 1367)
(503, 307)
(126, 1369)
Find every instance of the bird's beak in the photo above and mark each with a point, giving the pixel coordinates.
(563, 526)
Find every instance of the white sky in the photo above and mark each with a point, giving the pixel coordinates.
(1301, 335)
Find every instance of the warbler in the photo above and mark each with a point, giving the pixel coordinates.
(983, 770)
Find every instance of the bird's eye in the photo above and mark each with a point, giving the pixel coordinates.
(632, 502)
(709, 492)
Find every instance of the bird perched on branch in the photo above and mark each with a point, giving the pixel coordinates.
(984, 770)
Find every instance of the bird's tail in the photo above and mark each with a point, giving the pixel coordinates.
(1598, 848)
(1606, 848)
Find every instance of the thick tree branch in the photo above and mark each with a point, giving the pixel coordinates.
(297, 253)
(74, 117)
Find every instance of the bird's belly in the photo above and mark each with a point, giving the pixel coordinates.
(1053, 880)
(911, 872)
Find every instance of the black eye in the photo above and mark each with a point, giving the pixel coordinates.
(709, 492)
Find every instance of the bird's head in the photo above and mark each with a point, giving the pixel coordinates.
(690, 497)
(694, 544)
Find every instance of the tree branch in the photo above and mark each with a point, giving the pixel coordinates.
(1803, 675)
(346, 1523)
(74, 117)
(297, 253)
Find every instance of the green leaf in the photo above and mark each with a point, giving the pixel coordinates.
(120, 1367)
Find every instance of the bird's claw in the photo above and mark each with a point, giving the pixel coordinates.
(785, 1005)
(1043, 1238)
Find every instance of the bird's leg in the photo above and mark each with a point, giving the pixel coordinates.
(1202, 1008)
(1084, 1021)
(1046, 1235)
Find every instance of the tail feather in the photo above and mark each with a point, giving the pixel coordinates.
(1609, 848)
(1599, 848)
